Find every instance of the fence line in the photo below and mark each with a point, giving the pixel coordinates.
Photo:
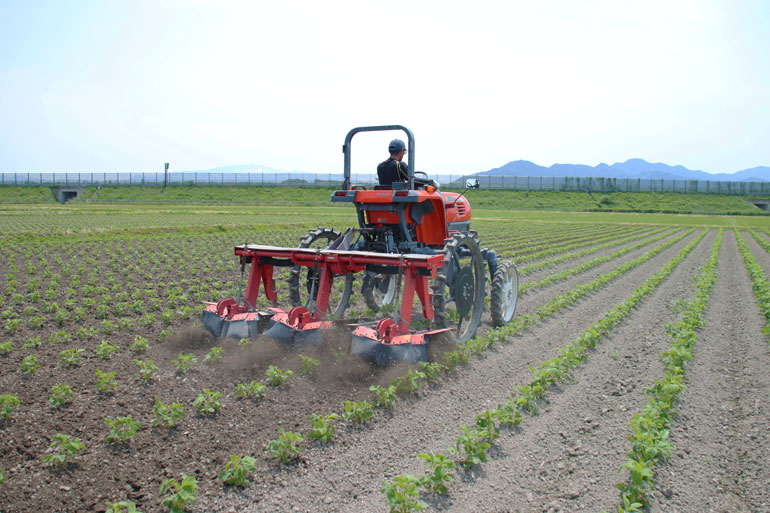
(529, 183)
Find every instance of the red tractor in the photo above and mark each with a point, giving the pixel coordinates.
(412, 239)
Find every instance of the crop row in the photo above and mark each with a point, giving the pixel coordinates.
(474, 441)
(587, 265)
(759, 281)
(579, 235)
(549, 262)
(650, 428)
(530, 253)
(36, 223)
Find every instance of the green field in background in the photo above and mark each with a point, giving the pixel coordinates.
(221, 196)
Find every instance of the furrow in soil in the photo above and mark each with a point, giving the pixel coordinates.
(566, 458)
(722, 434)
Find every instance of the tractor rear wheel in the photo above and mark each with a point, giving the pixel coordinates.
(505, 293)
(304, 281)
(458, 290)
(378, 290)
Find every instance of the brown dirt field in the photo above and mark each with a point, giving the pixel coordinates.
(563, 459)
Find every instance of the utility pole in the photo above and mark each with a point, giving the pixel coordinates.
(165, 176)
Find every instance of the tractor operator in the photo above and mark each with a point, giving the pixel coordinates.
(393, 170)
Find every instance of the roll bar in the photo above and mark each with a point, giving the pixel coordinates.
(346, 149)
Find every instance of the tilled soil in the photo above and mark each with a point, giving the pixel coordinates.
(565, 458)
(350, 480)
(722, 435)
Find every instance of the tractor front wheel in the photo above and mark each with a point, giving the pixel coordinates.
(505, 293)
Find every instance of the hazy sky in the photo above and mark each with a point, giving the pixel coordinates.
(112, 85)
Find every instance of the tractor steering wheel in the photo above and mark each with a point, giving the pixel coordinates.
(423, 181)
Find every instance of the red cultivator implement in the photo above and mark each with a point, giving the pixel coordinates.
(412, 240)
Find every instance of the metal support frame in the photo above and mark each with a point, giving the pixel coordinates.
(416, 269)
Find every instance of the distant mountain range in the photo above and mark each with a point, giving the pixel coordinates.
(632, 168)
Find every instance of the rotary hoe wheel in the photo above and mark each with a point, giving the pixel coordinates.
(458, 290)
(505, 293)
(303, 282)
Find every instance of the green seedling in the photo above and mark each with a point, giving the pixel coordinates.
(277, 377)
(629, 506)
(384, 397)
(63, 449)
(6, 347)
(60, 395)
(409, 383)
(178, 495)
(122, 429)
(508, 414)
(322, 429)
(166, 415)
(8, 402)
(146, 368)
(641, 480)
(59, 337)
(284, 448)
(214, 355)
(358, 411)
(474, 445)
(254, 390)
(107, 327)
(84, 333)
(185, 362)
(402, 494)
(71, 357)
(309, 365)
(486, 424)
(105, 381)
(29, 364)
(121, 507)
(140, 344)
(207, 402)
(244, 342)
(147, 320)
(105, 350)
(166, 334)
(431, 370)
(439, 472)
(167, 316)
(236, 471)
(32, 342)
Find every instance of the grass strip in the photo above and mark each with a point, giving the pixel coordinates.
(473, 442)
(650, 428)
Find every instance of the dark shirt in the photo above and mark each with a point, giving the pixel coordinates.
(391, 171)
